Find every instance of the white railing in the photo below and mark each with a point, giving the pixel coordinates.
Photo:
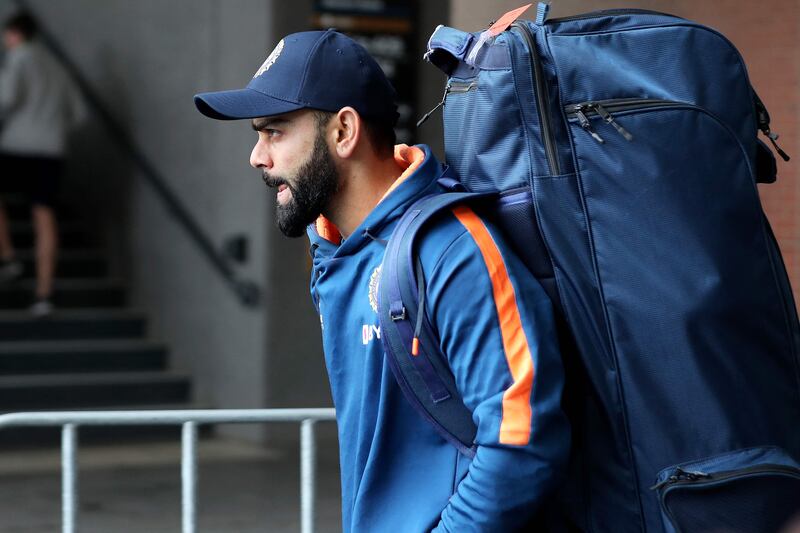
(70, 421)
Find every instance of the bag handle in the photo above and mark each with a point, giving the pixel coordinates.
(447, 47)
(461, 54)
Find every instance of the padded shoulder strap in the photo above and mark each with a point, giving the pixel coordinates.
(424, 378)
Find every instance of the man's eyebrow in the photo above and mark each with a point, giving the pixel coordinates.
(264, 123)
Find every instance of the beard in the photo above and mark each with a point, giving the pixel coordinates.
(312, 188)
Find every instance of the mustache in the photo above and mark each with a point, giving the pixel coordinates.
(273, 181)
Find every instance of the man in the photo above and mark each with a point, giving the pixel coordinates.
(38, 106)
(324, 111)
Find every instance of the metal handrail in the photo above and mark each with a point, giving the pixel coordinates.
(189, 420)
(247, 291)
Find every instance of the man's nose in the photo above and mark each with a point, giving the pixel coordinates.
(259, 157)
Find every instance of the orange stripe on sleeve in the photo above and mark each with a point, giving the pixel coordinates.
(515, 428)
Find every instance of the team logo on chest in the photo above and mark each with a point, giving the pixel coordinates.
(374, 285)
(370, 332)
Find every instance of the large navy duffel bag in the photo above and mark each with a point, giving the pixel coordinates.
(622, 149)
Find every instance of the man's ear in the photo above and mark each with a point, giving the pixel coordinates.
(347, 132)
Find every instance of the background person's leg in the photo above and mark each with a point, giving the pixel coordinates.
(6, 247)
(46, 228)
(10, 268)
(45, 174)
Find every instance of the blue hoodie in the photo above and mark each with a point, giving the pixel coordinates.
(496, 328)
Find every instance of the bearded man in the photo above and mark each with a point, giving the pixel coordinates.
(324, 114)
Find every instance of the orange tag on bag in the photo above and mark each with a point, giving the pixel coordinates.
(506, 20)
(496, 29)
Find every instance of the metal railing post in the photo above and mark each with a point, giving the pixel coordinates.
(189, 476)
(308, 480)
(69, 478)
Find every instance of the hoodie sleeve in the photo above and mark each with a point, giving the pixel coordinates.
(496, 328)
(11, 83)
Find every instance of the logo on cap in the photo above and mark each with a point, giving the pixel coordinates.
(270, 60)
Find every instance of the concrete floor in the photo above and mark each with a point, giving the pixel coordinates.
(135, 488)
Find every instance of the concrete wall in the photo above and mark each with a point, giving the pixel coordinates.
(147, 59)
(766, 35)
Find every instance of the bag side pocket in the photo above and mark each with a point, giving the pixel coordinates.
(753, 490)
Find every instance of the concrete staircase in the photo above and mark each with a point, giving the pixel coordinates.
(93, 352)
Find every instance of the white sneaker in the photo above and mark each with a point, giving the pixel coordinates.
(10, 270)
(41, 308)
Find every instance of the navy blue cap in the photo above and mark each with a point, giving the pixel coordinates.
(323, 70)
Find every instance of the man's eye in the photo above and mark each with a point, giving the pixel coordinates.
(269, 133)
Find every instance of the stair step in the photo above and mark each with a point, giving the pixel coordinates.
(68, 391)
(51, 357)
(70, 234)
(77, 292)
(16, 205)
(72, 324)
(72, 263)
(27, 226)
(19, 210)
(14, 195)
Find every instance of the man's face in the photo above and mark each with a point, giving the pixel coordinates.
(293, 155)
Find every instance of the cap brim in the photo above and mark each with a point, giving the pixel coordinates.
(241, 103)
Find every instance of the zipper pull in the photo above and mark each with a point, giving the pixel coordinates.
(691, 475)
(762, 117)
(671, 479)
(603, 112)
(440, 104)
(587, 125)
(681, 475)
(774, 137)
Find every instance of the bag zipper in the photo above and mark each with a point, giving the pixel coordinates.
(762, 117)
(605, 109)
(688, 477)
(611, 12)
(460, 86)
(697, 479)
(542, 99)
(451, 87)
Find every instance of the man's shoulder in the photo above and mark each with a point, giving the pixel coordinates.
(13, 57)
(448, 235)
(24, 58)
(25, 51)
